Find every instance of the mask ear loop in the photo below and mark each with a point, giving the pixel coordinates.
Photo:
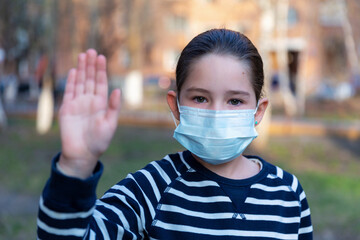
(255, 111)
(173, 117)
(172, 114)
(257, 106)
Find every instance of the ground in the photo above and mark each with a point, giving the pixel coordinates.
(327, 167)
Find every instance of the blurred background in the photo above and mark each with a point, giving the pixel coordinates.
(310, 48)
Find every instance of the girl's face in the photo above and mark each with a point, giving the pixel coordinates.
(218, 82)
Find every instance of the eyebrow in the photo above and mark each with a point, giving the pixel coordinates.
(195, 89)
(234, 92)
(230, 92)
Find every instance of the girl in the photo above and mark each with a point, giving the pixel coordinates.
(209, 191)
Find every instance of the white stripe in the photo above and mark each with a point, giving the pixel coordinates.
(273, 218)
(122, 198)
(77, 232)
(99, 217)
(275, 202)
(302, 196)
(305, 213)
(225, 232)
(117, 211)
(228, 215)
(122, 217)
(294, 184)
(198, 198)
(205, 183)
(63, 216)
(147, 200)
(99, 214)
(167, 158)
(120, 229)
(99, 221)
(270, 189)
(124, 190)
(152, 183)
(306, 230)
(92, 235)
(120, 233)
(162, 173)
(176, 209)
(271, 176)
(182, 159)
(279, 172)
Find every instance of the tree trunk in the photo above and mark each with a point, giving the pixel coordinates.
(267, 27)
(282, 57)
(133, 91)
(350, 46)
(3, 119)
(94, 23)
(45, 111)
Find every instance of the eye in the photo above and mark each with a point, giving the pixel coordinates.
(235, 102)
(199, 99)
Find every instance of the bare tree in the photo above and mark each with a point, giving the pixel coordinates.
(13, 22)
(11, 25)
(267, 27)
(21, 33)
(45, 111)
(3, 118)
(350, 46)
(289, 99)
(107, 37)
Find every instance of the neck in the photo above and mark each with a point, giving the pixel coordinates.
(239, 168)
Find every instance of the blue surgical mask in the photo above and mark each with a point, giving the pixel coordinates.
(215, 136)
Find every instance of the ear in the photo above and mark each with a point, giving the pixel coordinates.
(263, 103)
(171, 98)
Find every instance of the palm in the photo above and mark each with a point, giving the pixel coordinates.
(87, 121)
(84, 129)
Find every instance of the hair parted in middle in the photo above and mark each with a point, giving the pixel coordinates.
(222, 42)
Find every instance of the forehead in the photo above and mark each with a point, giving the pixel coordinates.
(219, 72)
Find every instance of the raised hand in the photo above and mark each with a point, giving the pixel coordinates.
(87, 118)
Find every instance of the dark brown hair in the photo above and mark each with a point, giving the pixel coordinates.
(222, 42)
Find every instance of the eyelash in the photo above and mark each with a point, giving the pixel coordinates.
(200, 99)
(238, 102)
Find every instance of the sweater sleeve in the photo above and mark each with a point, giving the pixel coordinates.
(305, 228)
(69, 209)
(67, 205)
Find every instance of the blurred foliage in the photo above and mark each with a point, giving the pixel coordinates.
(24, 31)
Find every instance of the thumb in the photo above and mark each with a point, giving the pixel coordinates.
(113, 110)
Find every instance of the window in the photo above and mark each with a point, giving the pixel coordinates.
(292, 17)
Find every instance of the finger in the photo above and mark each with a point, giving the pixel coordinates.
(101, 83)
(80, 75)
(113, 110)
(90, 71)
(70, 86)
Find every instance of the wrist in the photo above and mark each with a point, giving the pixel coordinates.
(75, 167)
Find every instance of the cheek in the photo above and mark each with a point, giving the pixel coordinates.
(184, 100)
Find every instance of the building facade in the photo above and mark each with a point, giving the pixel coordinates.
(149, 35)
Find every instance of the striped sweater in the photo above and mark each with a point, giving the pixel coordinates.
(176, 198)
